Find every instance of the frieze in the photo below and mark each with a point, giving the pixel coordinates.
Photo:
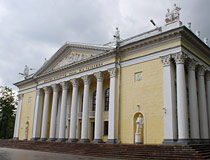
(74, 72)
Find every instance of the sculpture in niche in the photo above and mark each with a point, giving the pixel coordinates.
(26, 131)
(139, 123)
(138, 135)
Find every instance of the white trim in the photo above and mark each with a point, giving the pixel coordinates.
(151, 56)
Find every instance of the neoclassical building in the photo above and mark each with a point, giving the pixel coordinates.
(95, 93)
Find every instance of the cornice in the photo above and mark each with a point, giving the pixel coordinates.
(155, 39)
(68, 47)
(94, 58)
(195, 42)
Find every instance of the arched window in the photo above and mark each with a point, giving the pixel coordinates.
(94, 101)
(106, 98)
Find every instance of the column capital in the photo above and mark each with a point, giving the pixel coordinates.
(112, 72)
(179, 57)
(201, 70)
(86, 79)
(99, 76)
(208, 75)
(191, 64)
(39, 91)
(166, 60)
(55, 87)
(64, 85)
(20, 96)
(47, 90)
(75, 82)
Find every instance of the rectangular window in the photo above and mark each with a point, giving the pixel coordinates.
(105, 128)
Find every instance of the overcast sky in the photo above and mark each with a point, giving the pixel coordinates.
(32, 30)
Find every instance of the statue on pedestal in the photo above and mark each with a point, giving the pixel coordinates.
(172, 16)
(138, 136)
(26, 132)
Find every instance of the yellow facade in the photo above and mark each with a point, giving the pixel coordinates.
(139, 86)
(148, 94)
(27, 114)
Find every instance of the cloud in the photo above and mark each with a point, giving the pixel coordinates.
(36, 29)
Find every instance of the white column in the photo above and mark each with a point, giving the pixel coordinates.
(208, 95)
(98, 112)
(62, 126)
(17, 119)
(112, 109)
(193, 101)
(183, 129)
(204, 130)
(73, 121)
(170, 120)
(53, 112)
(86, 108)
(37, 115)
(45, 114)
(68, 105)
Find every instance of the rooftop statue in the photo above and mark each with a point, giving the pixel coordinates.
(172, 16)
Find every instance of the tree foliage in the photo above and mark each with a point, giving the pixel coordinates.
(7, 112)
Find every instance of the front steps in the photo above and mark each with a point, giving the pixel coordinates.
(118, 151)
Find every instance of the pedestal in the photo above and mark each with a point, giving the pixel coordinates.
(138, 138)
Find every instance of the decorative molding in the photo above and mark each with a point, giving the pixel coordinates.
(208, 75)
(112, 72)
(86, 79)
(70, 59)
(179, 58)
(55, 87)
(201, 70)
(75, 82)
(191, 64)
(64, 85)
(47, 89)
(166, 60)
(99, 76)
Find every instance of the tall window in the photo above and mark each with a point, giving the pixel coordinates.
(105, 128)
(106, 107)
(94, 101)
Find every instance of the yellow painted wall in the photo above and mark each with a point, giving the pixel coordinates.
(148, 93)
(27, 114)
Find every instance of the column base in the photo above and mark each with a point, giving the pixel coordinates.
(72, 140)
(52, 139)
(35, 139)
(43, 139)
(61, 140)
(111, 141)
(97, 141)
(15, 138)
(184, 141)
(204, 141)
(169, 141)
(84, 141)
(138, 143)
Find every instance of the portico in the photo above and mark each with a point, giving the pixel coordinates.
(74, 86)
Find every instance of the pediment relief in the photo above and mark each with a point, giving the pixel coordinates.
(71, 58)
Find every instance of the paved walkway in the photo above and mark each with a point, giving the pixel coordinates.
(20, 154)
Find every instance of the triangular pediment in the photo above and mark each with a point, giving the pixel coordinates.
(70, 54)
(70, 58)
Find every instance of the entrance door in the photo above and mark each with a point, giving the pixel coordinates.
(92, 130)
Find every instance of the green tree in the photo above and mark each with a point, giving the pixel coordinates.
(7, 112)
